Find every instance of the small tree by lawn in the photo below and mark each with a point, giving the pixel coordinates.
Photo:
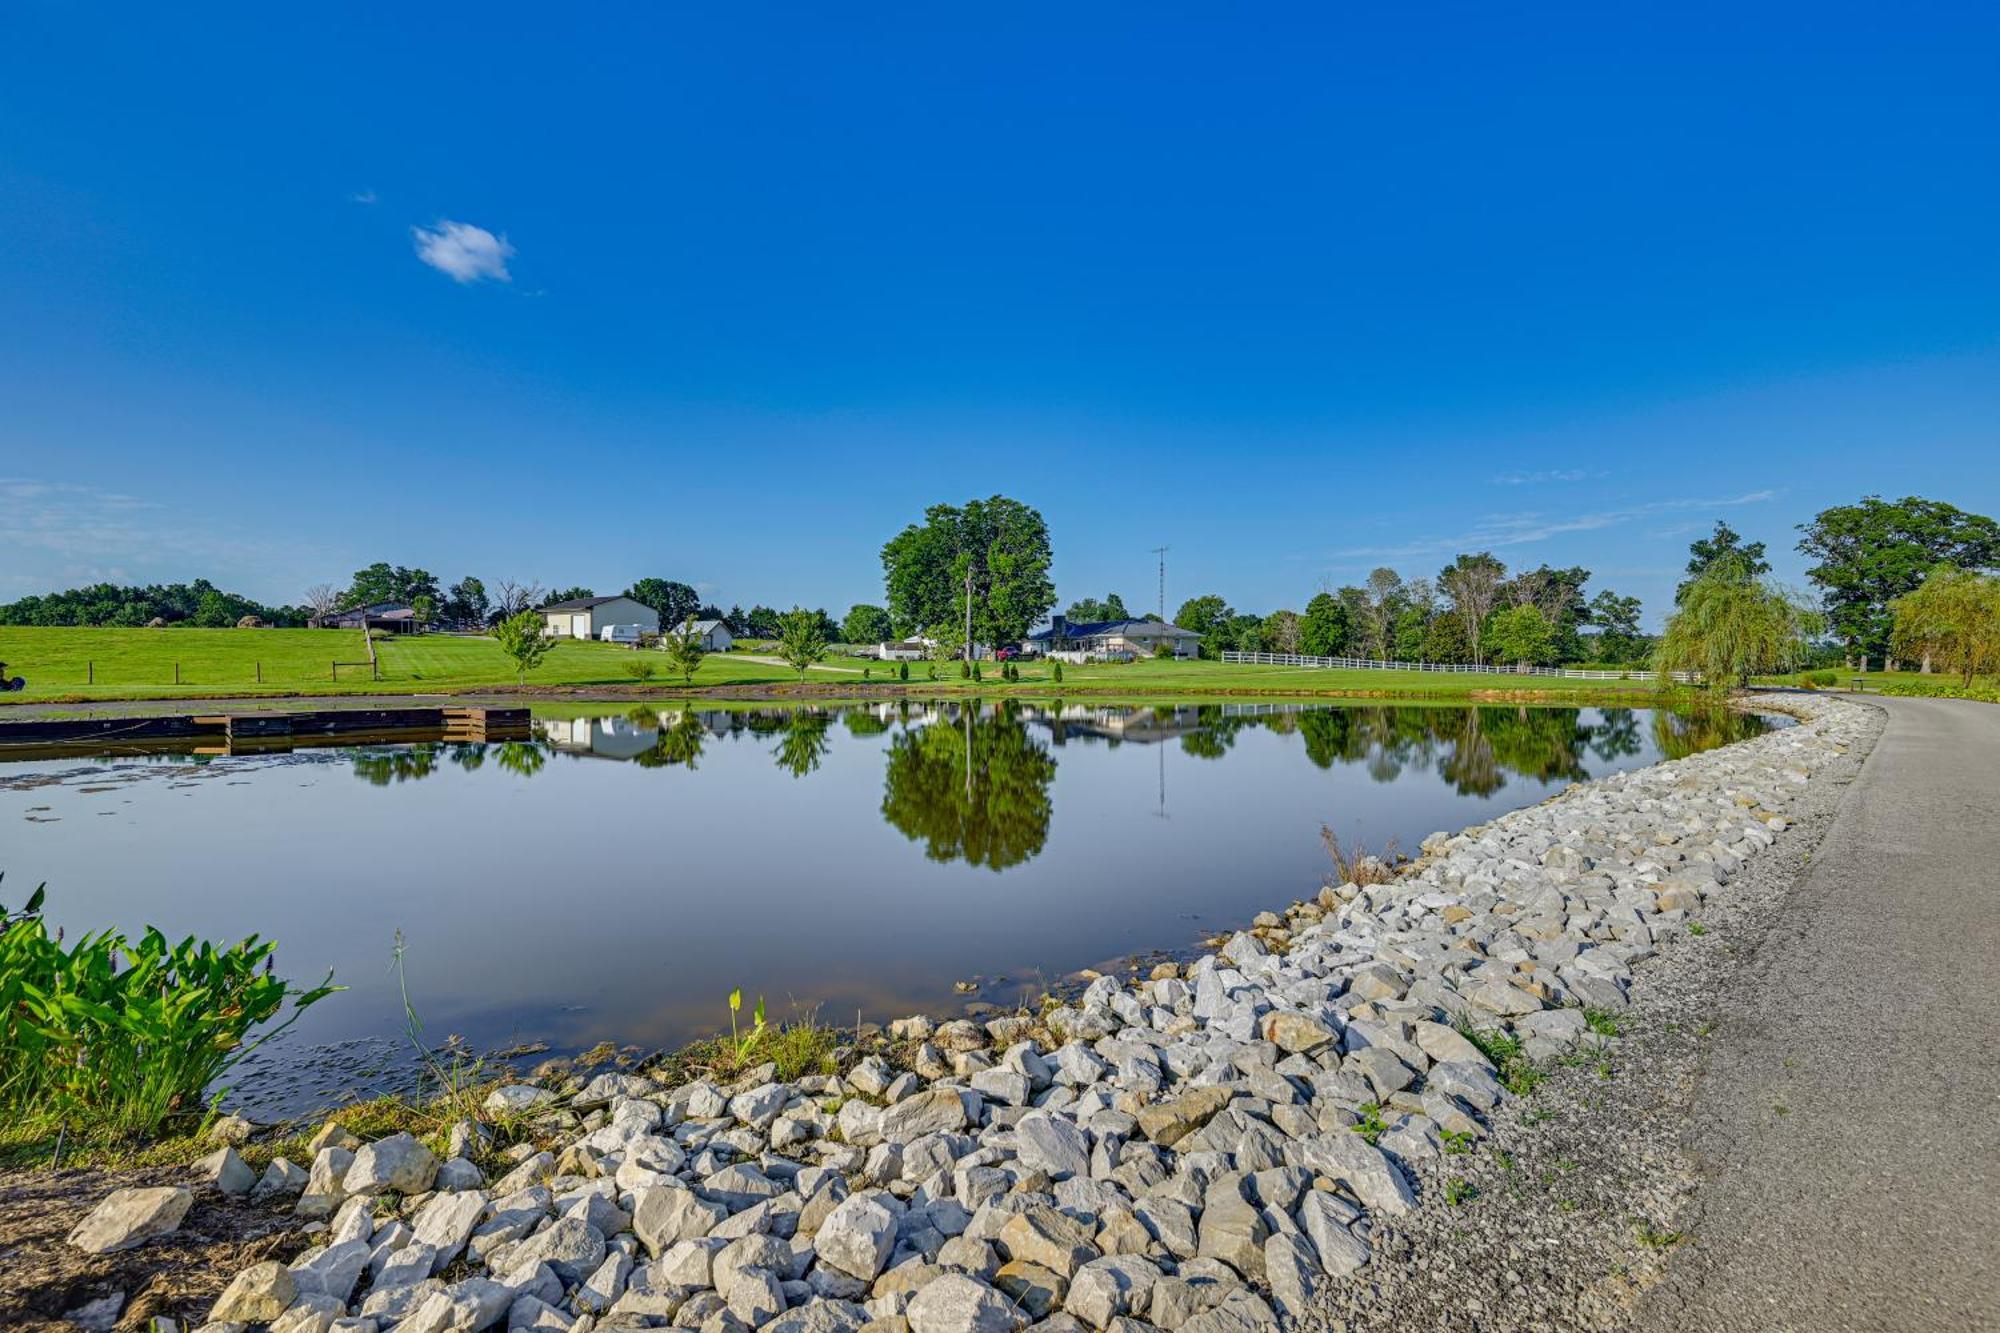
(1732, 625)
(800, 640)
(524, 637)
(684, 651)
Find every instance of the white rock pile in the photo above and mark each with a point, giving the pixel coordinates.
(1196, 1152)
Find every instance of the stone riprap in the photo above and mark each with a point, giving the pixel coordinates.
(1203, 1150)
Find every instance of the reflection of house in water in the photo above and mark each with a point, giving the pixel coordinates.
(601, 737)
(1145, 725)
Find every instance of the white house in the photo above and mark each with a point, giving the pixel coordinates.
(1113, 640)
(908, 650)
(585, 617)
(712, 635)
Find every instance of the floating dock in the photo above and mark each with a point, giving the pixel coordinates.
(268, 729)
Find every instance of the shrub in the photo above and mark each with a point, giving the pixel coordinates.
(1825, 678)
(110, 1038)
(902, 671)
(1055, 673)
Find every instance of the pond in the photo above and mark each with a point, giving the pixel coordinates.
(615, 878)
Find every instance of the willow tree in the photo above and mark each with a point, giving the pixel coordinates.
(1951, 620)
(1732, 625)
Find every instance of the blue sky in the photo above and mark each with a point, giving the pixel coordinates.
(1297, 291)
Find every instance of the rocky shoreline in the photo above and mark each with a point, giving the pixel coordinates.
(1245, 1142)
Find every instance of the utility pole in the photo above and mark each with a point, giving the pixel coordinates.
(1161, 552)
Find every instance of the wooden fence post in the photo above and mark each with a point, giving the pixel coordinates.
(260, 673)
(177, 673)
(90, 672)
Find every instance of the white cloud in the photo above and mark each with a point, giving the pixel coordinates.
(1500, 530)
(1548, 475)
(463, 251)
(362, 197)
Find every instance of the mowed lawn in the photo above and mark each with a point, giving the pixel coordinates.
(59, 664)
(141, 664)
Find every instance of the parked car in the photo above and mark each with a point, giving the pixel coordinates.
(1006, 654)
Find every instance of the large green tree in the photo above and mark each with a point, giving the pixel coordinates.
(1210, 617)
(997, 546)
(1472, 583)
(465, 602)
(866, 624)
(675, 602)
(1725, 543)
(1732, 625)
(1951, 620)
(1323, 629)
(1617, 620)
(1869, 554)
(1094, 610)
(383, 582)
(1520, 635)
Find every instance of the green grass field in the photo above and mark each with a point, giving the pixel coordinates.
(84, 665)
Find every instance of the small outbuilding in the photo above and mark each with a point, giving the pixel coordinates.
(585, 617)
(712, 635)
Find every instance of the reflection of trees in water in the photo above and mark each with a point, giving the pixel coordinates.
(1681, 734)
(802, 742)
(402, 763)
(522, 758)
(863, 722)
(469, 755)
(1617, 736)
(971, 787)
(678, 744)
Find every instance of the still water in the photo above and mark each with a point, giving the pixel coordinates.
(616, 877)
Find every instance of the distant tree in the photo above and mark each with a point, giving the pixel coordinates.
(737, 619)
(865, 624)
(1208, 616)
(1617, 620)
(1445, 641)
(800, 640)
(383, 582)
(1413, 623)
(683, 650)
(674, 602)
(1951, 620)
(1244, 633)
(1281, 632)
(524, 637)
(761, 623)
(423, 610)
(1472, 582)
(577, 593)
(1558, 595)
(322, 599)
(1092, 610)
(465, 602)
(1732, 625)
(511, 598)
(1323, 630)
(1521, 635)
(1873, 552)
(1725, 543)
(997, 547)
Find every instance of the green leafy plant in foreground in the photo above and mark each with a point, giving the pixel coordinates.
(744, 1044)
(109, 1038)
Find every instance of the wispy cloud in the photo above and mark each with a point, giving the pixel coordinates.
(464, 252)
(58, 534)
(363, 197)
(1502, 530)
(1548, 475)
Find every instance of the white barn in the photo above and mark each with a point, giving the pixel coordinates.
(586, 617)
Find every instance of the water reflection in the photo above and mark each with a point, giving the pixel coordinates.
(795, 852)
(972, 782)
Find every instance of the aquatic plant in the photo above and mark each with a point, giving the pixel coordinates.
(109, 1038)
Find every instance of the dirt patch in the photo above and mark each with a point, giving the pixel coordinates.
(42, 1278)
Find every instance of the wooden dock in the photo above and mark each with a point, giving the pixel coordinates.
(264, 730)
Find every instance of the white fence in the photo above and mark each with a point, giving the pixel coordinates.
(1369, 664)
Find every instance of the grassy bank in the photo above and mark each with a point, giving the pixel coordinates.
(89, 665)
(1909, 683)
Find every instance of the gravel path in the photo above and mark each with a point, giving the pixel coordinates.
(1846, 1118)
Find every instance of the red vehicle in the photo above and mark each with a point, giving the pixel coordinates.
(1006, 654)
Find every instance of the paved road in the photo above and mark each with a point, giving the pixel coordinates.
(1848, 1120)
